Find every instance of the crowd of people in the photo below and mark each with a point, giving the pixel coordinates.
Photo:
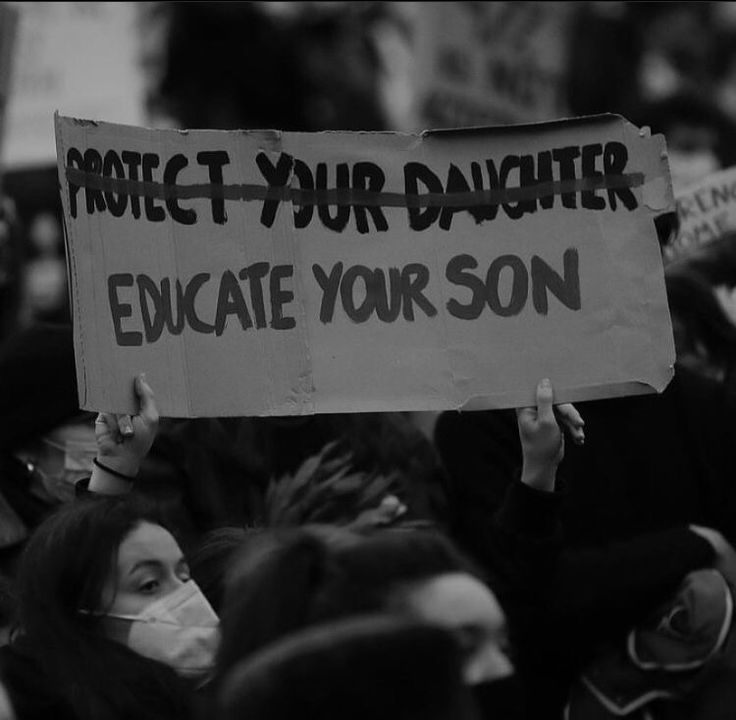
(545, 562)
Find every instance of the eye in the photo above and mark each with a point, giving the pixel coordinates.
(183, 572)
(149, 588)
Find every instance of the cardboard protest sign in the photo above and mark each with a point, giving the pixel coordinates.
(81, 57)
(261, 272)
(706, 210)
(491, 63)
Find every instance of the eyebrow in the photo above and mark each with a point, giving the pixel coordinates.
(141, 564)
(153, 564)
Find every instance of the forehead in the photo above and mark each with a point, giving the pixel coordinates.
(455, 599)
(147, 542)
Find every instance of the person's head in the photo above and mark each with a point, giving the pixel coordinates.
(318, 69)
(285, 581)
(56, 460)
(44, 437)
(92, 578)
(715, 262)
(699, 135)
(71, 568)
(360, 668)
(701, 291)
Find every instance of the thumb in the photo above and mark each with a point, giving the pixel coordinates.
(145, 398)
(545, 397)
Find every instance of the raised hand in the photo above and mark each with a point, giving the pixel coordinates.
(123, 440)
(542, 441)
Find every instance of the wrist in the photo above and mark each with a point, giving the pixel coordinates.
(107, 481)
(119, 465)
(539, 476)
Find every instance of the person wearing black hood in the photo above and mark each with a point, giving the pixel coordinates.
(46, 442)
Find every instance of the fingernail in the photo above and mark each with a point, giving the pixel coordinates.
(126, 428)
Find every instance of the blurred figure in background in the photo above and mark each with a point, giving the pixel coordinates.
(318, 68)
(11, 263)
(46, 443)
(45, 292)
(701, 290)
(38, 259)
(701, 139)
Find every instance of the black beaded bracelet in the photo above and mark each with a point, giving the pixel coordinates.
(117, 474)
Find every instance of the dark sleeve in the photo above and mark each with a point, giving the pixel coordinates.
(517, 546)
(511, 530)
(521, 543)
(529, 512)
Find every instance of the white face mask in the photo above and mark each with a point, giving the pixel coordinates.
(58, 485)
(180, 630)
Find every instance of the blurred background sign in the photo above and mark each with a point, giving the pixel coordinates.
(706, 210)
(497, 63)
(81, 58)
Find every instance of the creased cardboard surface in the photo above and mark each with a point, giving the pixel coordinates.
(345, 286)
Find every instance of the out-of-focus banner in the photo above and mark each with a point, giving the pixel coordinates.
(75, 57)
(706, 210)
(270, 273)
(491, 63)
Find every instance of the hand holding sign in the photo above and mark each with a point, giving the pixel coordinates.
(123, 441)
(542, 442)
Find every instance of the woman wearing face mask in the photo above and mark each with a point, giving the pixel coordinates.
(110, 623)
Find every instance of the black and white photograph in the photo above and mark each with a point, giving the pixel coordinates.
(368, 360)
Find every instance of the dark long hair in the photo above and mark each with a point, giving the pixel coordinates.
(286, 580)
(64, 569)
